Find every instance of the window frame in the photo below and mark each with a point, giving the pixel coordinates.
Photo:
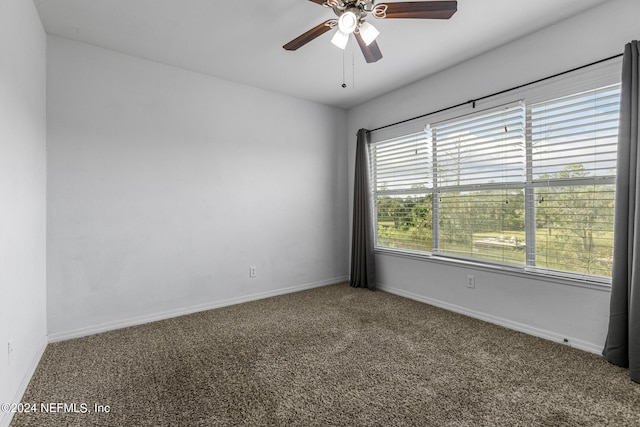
(590, 78)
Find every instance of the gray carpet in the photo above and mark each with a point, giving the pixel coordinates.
(331, 356)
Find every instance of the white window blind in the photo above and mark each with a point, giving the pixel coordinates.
(481, 149)
(575, 136)
(402, 164)
(402, 177)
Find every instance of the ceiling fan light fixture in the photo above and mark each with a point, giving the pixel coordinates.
(353, 13)
(348, 22)
(340, 39)
(368, 33)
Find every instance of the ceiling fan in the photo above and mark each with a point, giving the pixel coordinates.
(351, 20)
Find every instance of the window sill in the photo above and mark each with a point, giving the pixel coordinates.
(493, 268)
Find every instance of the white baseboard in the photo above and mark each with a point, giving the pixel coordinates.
(125, 323)
(520, 327)
(8, 416)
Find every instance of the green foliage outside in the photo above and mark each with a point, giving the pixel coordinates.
(574, 224)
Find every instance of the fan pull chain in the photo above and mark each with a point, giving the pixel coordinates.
(353, 69)
(344, 69)
(344, 84)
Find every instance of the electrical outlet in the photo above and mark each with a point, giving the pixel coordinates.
(9, 351)
(471, 281)
(252, 272)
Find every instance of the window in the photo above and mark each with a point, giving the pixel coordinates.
(480, 171)
(573, 143)
(527, 185)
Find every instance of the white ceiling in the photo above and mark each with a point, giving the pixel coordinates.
(241, 40)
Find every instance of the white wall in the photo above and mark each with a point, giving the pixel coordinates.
(22, 196)
(165, 186)
(555, 311)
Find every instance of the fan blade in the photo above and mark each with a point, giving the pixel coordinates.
(372, 52)
(320, 2)
(417, 9)
(305, 38)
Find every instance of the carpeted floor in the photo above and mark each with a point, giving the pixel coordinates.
(331, 356)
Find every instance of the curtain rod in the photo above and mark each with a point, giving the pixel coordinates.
(473, 101)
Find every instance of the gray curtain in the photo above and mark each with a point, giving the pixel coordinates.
(622, 346)
(362, 260)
